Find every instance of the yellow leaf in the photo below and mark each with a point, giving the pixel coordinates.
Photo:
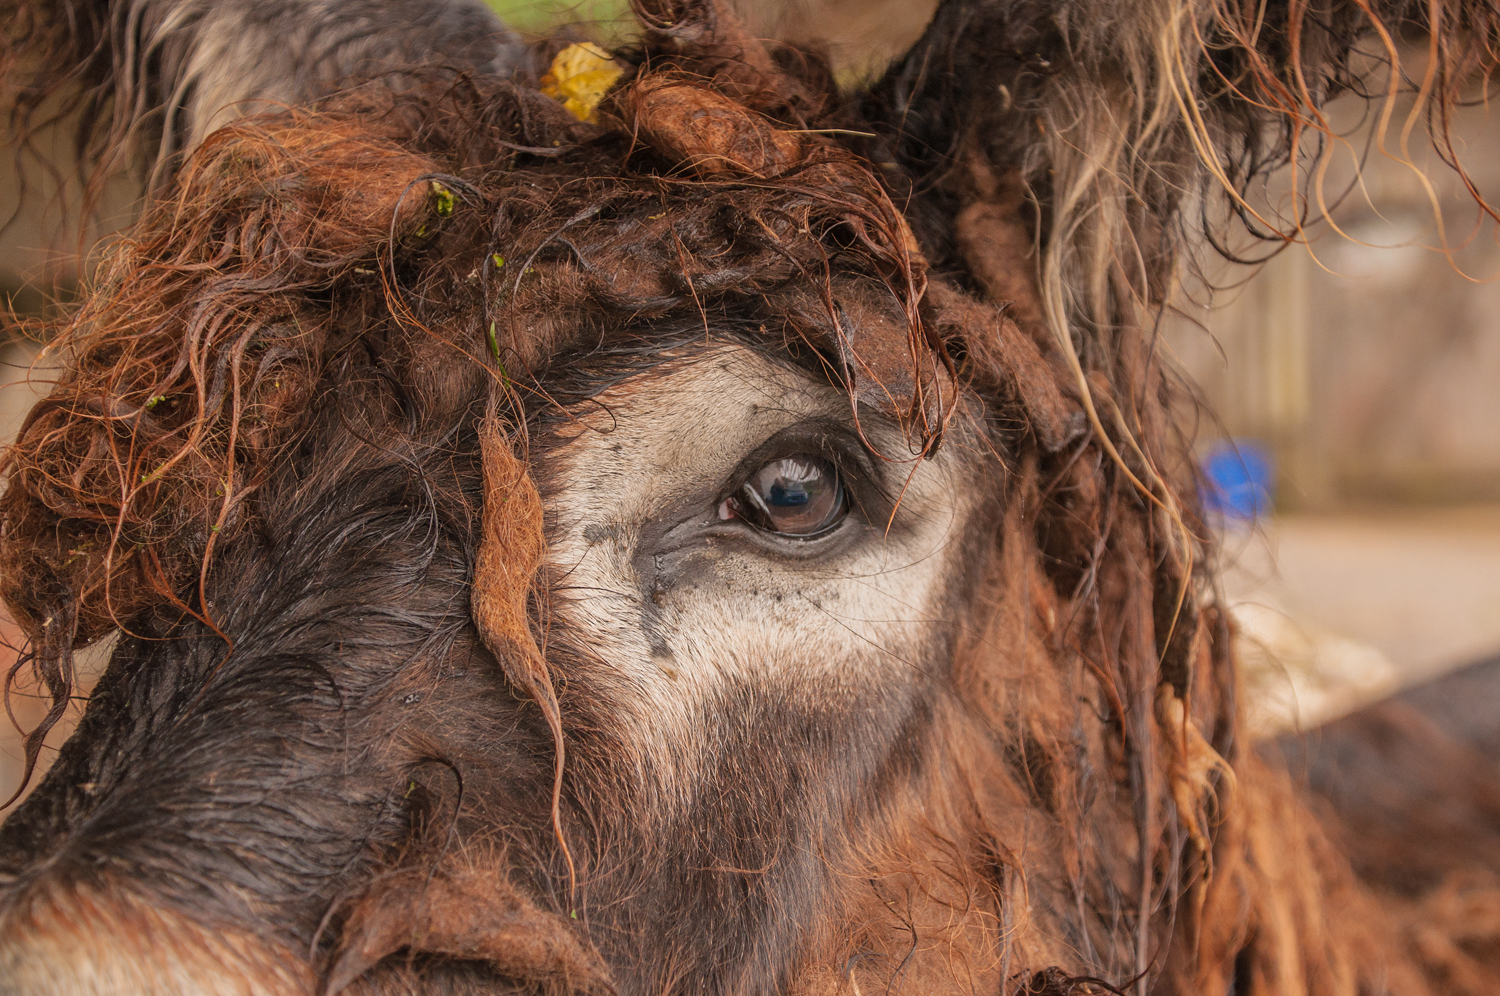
(580, 77)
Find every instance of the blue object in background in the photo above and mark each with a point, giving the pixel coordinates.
(1237, 480)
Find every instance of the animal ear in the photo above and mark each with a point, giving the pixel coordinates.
(152, 78)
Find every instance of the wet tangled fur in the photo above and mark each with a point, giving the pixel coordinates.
(484, 234)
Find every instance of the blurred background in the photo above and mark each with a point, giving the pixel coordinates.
(1350, 386)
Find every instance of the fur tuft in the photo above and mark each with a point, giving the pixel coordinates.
(1001, 218)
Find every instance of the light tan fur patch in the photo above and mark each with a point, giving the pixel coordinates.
(820, 629)
(69, 941)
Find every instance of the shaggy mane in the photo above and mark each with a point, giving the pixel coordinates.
(1021, 185)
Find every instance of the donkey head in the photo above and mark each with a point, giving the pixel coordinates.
(723, 536)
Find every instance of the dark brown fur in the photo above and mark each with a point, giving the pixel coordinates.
(276, 464)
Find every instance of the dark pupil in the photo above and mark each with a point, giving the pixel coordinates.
(785, 492)
(797, 495)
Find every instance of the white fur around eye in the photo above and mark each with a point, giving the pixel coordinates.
(842, 627)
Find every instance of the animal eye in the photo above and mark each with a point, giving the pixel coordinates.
(797, 495)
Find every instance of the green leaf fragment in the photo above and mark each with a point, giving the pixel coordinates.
(499, 260)
(494, 343)
(155, 400)
(444, 198)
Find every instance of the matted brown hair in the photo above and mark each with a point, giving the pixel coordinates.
(1017, 183)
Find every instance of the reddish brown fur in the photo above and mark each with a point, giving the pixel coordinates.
(1091, 813)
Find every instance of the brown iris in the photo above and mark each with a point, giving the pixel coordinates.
(797, 495)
